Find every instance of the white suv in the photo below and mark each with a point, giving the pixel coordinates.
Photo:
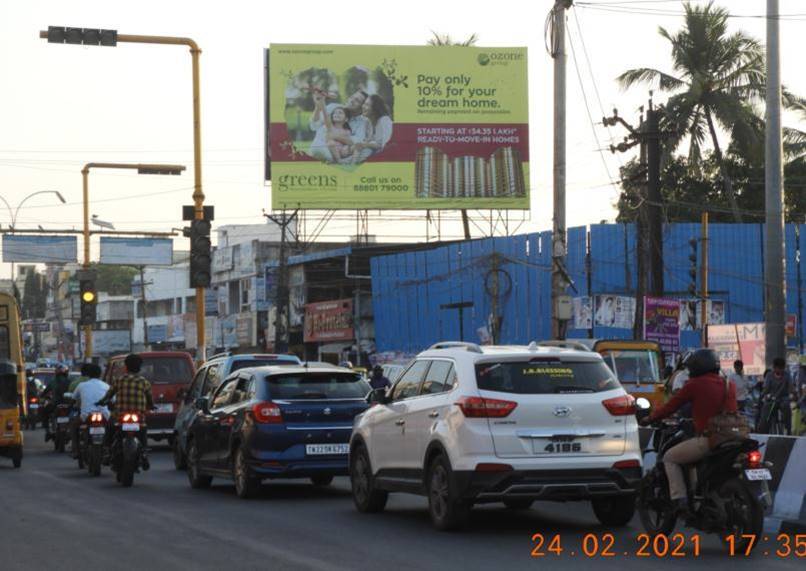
(466, 424)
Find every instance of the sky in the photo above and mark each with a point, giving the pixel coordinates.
(62, 106)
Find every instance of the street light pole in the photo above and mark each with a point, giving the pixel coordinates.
(14, 213)
(111, 38)
(85, 172)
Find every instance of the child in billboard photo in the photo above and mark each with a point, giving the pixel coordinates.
(335, 132)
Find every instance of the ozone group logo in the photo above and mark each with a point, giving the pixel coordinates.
(483, 59)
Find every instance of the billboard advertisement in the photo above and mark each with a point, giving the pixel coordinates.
(662, 323)
(329, 321)
(136, 251)
(41, 249)
(109, 341)
(743, 341)
(614, 311)
(397, 127)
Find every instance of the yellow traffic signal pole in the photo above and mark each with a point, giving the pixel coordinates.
(198, 195)
(85, 172)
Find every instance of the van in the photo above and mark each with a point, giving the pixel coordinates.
(170, 374)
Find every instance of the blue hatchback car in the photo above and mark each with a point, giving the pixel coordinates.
(275, 422)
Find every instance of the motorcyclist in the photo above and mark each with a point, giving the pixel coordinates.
(778, 388)
(378, 380)
(85, 395)
(132, 393)
(55, 393)
(705, 390)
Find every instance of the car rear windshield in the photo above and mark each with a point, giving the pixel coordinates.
(46, 378)
(317, 386)
(246, 363)
(545, 377)
(167, 370)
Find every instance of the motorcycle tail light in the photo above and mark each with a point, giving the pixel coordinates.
(131, 417)
(96, 418)
(34, 400)
(754, 459)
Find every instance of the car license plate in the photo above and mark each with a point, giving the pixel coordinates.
(33, 406)
(130, 427)
(169, 407)
(97, 430)
(543, 446)
(758, 474)
(324, 449)
(62, 420)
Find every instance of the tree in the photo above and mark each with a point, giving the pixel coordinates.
(446, 40)
(719, 77)
(115, 280)
(34, 296)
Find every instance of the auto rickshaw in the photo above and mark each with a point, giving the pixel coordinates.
(637, 364)
(12, 381)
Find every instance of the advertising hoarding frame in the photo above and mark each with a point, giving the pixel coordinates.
(468, 156)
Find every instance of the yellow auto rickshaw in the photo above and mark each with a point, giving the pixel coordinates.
(12, 381)
(637, 364)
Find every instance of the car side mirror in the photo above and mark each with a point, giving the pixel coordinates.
(378, 396)
(643, 408)
(203, 404)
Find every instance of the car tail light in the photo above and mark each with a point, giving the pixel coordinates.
(622, 464)
(620, 406)
(493, 467)
(478, 407)
(9, 425)
(267, 413)
(131, 417)
(754, 459)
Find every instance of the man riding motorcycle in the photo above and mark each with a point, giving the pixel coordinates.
(85, 395)
(705, 390)
(132, 393)
(55, 394)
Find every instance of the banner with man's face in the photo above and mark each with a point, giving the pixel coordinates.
(397, 127)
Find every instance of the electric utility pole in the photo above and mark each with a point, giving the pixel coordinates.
(282, 301)
(774, 284)
(560, 308)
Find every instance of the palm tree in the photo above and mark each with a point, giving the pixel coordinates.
(446, 40)
(719, 79)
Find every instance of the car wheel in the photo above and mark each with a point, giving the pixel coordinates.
(366, 497)
(614, 510)
(180, 460)
(518, 504)
(322, 481)
(448, 512)
(195, 477)
(246, 485)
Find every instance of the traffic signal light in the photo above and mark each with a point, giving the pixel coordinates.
(200, 256)
(692, 269)
(89, 300)
(82, 36)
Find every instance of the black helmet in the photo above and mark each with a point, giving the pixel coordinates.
(702, 361)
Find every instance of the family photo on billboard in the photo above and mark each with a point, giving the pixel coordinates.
(343, 119)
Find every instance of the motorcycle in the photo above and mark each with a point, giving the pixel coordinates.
(126, 451)
(727, 490)
(33, 416)
(60, 426)
(91, 437)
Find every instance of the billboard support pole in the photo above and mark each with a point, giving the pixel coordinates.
(145, 312)
(704, 279)
(558, 250)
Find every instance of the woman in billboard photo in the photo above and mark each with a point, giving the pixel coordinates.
(379, 128)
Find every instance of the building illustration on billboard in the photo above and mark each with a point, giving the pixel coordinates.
(395, 127)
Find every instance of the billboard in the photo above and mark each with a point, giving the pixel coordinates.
(743, 341)
(42, 249)
(329, 321)
(397, 127)
(612, 310)
(137, 251)
(109, 341)
(662, 323)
